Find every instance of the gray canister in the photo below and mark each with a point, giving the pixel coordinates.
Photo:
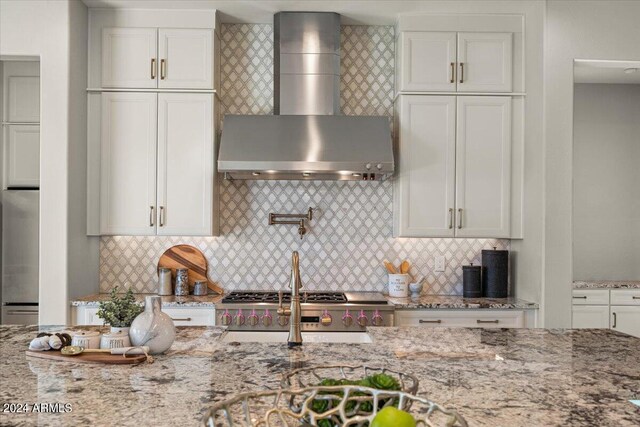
(164, 281)
(200, 288)
(182, 282)
(471, 281)
(495, 273)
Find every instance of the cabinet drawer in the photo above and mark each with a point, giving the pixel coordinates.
(590, 297)
(625, 297)
(192, 316)
(461, 318)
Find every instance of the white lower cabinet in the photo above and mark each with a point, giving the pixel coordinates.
(188, 316)
(618, 309)
(468, 318)
(626, 318)
(590, 316)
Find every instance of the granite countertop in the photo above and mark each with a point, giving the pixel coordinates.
(606, 284)
(458, 302)
(167, 301)
(423, 301)
(493, 377)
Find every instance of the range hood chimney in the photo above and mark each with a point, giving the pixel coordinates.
(307, 138)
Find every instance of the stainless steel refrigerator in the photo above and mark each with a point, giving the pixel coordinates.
(20, 248)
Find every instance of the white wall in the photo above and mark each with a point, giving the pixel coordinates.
(43, 28)
(574, 30)
(606, 182)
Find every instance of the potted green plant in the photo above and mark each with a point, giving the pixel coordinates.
(119, 311)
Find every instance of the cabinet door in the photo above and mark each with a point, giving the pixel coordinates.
(484, 62)
(185, 164)
(427, 61)
(626, 319)
(483, 166)
(425, 182)
(128, 163)
(129, 57)
(186, 58)
(22, 156)
(590, 316)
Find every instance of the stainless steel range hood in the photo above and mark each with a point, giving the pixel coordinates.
(307, 139)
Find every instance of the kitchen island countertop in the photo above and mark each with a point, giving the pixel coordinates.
(493, 377)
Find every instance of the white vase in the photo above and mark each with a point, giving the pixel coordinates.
(152, 327)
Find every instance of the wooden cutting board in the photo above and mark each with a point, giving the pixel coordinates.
(186, 256)
(110, 359)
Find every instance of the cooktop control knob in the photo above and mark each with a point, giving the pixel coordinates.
(283, 320)
(379, 166)
(239, 318)
(226, 319)
(362, 319)
(266, 318)
(376, 320)
(326, 318)
(368, 166)
(253, 318)
(347, 319)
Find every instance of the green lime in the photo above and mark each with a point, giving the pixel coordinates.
(393, 417)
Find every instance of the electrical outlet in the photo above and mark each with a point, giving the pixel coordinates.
(440, 262)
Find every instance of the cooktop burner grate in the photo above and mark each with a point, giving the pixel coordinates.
(272, 297)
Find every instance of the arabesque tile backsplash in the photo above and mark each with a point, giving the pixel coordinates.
(351, 233)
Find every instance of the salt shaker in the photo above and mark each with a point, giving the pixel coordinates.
(164, 281)
(182, 282)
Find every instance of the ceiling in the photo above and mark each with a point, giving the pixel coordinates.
(612, 72)
(354, 12)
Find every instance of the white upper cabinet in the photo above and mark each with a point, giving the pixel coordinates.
(128, 164)
(426, 182)
(185, 164)
(186, 58)
(485, 62)
(428, 61)
(455, 62)
(179, 58)
(129, 57)
(483, 166)
(22, 156)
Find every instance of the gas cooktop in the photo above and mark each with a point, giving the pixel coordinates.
(272, 297)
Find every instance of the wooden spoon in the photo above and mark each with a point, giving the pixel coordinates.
(390, 268)
(404, 267)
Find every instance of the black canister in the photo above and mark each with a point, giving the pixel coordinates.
(495, 273)
(471, 281)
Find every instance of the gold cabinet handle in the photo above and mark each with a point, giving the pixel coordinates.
(615, 320)
(487, 321)
(460, 218)
(153, 68)
(429, 321)
(450, 218)
(151, 216)
(453, 73)
(161, 216)
(163, 69)
(462, 72)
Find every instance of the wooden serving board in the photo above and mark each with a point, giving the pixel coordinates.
(186, 256)
(106, 358)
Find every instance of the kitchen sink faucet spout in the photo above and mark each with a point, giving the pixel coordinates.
(294, 311)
